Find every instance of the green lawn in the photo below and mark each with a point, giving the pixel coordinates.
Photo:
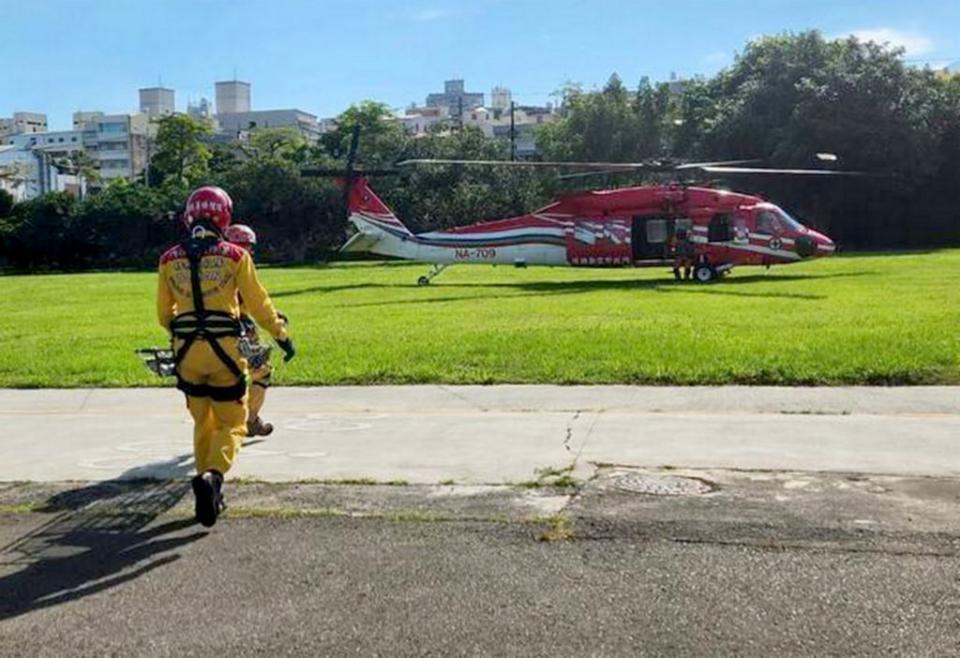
(856, 319)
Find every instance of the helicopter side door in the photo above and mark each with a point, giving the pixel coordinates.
(650, 238)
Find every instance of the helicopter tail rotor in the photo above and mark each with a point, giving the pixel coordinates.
(348, 176)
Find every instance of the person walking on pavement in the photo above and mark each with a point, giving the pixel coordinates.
(260, 368)
(200, 281)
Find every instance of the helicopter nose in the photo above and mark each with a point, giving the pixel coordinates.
(811, 244)
(825, 246)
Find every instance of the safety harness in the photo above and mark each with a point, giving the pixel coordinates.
(206, 325)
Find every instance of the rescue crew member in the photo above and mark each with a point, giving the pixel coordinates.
(260, 369)
(683, 254)
(197, 302)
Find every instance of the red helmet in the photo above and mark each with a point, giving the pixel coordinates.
(240, 234)
(211, 202)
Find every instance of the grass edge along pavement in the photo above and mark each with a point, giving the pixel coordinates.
(865, 319)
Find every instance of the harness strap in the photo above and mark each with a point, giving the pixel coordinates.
(207, 323)
(217, 393)
(210, 325)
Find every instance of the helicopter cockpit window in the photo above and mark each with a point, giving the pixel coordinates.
(767, 222)
(789, 221)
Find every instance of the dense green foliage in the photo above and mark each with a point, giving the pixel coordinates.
(6, 203)
(851, 320)
(181, 154)
(784, 99)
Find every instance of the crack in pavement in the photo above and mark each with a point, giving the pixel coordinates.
(596, 419)
(86, 399)
(566, 440)
(463, 398)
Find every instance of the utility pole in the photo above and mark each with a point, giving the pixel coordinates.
(460, 114)
(513, 133)
(146, 166)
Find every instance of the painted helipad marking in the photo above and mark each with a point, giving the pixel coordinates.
(169, 451)
(331, 423)
(147, 448)
(113, 463)
(260, 452)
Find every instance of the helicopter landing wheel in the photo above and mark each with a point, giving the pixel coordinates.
(434, 271)
(705, 273)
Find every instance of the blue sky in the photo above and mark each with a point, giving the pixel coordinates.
(64, 55)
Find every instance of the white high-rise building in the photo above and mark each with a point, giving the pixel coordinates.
(500, 98)
(157, 101)
(233, 97)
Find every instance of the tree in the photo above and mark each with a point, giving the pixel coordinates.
(599, 126)
(82, 165)
(296, 218)
(126, 224)
(434, 197)
(15, 174)
(39, 233)
(382, 139)
(282, 143)
(6, 203)
(791, 96)
(181, 151)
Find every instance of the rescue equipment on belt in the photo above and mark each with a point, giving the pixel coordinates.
(210, 326)
(255, 352)
(159, 360)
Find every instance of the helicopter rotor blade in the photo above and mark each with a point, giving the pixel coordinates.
(723, 163)
(589, 174)
(651, 165)
(759, 171)
(319, 172)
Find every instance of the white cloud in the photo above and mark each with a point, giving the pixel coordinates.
(914, 43)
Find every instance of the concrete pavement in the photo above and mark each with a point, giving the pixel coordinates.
(745, 564)
(720, 521)
(476, 434)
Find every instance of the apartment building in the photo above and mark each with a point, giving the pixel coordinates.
(22, 123)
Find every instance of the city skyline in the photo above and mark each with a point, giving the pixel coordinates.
(307, 57)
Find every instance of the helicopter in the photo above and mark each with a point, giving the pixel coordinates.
(640, 226)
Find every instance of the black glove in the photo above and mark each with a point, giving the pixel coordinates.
(289, 351)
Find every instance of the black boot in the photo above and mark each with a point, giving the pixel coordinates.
(209, 499)
(676, 273)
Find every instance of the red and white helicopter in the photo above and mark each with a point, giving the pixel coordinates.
(624, 227)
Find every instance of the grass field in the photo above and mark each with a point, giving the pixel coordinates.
(846, 320)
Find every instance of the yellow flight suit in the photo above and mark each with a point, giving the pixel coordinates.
(259, 377)
(216, 391)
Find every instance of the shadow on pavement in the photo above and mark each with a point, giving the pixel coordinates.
(100, 537)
